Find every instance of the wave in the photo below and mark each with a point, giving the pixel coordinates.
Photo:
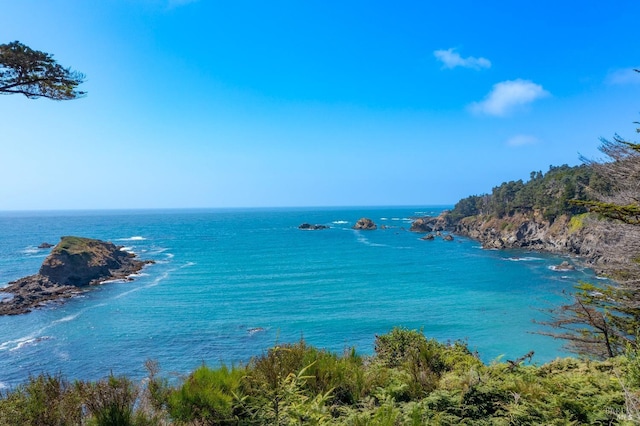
(524, 259)
(134, 238)
(67, 318)
(31, 250)
(364, 240)
(28, 342)
(340, 222)
(154, 283)
(127, 249)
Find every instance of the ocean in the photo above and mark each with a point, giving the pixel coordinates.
(230, 283)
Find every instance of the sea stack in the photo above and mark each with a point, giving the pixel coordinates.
(73, 265)
(365, 224)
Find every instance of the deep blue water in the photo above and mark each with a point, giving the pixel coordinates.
(228, 284)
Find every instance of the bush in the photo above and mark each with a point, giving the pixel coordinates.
(43, 400)
(208, 395)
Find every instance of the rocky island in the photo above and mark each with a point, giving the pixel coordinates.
(73, 266)
(365, 224)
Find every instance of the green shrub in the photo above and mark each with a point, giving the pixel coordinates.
(394, 348)
(111, 402)
(208, 395)
(43, 400)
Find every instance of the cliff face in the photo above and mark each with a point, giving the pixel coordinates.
(73, 265)
(83, 261)
(579, 235)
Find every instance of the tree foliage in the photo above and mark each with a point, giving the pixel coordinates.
(604, 320)
(552, 193)
(36, 74)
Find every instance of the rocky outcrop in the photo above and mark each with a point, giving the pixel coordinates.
(564, 266)
(45, 246)
(310, 227)
(430, 224)
(72, 266)
(365, 224)
(579, 235)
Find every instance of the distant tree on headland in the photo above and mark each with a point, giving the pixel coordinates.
(552, 193)
(36, 74)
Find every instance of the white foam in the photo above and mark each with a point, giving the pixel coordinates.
(67, 318)
(186, 265)
(170, 255)
(127, 249)
(134, 238)
(384, 218)
(3, 386)
(524, 259)
(340, 222)
(154, 283)
(12, 344)
(365, 241)
(31, 250)
(24, 343)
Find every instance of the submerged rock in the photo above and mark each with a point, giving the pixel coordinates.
(447, 237)
(45, 246)
(309, 227)
(564, 266)
(428, 237)
(365, 224)
(73, 265)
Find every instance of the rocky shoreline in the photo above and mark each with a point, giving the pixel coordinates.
(580, 236)
(73, 266)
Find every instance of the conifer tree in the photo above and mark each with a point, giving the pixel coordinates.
(36, 74)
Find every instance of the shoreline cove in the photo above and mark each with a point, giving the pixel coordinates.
(228, 285)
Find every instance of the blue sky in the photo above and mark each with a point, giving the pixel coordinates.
(206, 103)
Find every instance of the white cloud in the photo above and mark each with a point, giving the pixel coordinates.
(521, 140)
(623, 77)
(508, 95)
(451, 59)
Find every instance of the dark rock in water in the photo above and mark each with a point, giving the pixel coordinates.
(564, 266)
(448, 237)
(428, 237)
(45, 246)
(421, 225)
(365, 224)
(430, 224)
(309, 227)
(73, 265)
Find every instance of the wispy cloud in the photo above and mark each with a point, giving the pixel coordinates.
(507, 96)
(624, 76)
(451, 59)
(522, 140)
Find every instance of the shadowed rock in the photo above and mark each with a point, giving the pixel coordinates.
(72, 266)
(365, 224)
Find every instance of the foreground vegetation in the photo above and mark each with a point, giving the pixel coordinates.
(411, 380)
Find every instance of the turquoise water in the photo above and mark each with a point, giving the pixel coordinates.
(227, 284)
